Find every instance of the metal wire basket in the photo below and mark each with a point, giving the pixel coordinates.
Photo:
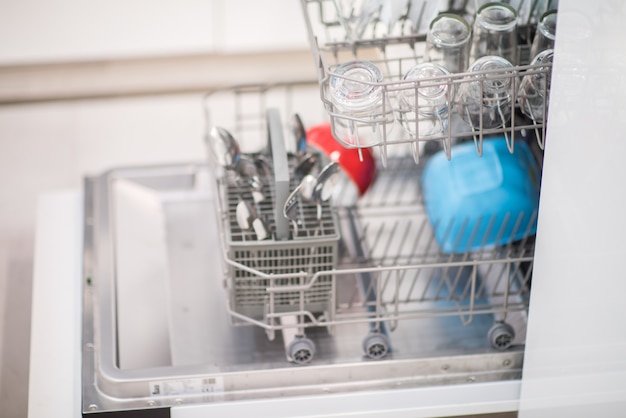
(394, 54)
(286, 258)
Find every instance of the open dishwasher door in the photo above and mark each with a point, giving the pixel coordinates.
(575, 344)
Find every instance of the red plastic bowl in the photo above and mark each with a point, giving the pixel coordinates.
(360, 168)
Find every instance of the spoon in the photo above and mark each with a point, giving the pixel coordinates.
(325, 183)
(290, 209)
(248, 171)
(305, 161)
(305, 166)
(312, 189)
(224, 147)
(227, 153)
(324, 186)
(263, 167)
(306, 188)
(299, 133)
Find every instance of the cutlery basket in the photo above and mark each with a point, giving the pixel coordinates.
(256, 268)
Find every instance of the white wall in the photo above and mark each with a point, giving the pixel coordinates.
(52, 145)
(65, 139)
(66, 30)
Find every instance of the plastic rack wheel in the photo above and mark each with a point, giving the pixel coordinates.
(501, 335)
(301, 350)
(376, 345)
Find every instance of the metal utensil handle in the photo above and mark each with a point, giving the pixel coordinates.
(281, 171)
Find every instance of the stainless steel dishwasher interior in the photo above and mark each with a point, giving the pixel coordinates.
(166, 324)
(157, 328)
(174, 314)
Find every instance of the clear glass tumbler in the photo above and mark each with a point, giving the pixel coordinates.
(545, 34)
(484, 100)
(539, 7)
(534, 90)
(495, 32)
(524, 8)
(361, 112)
(423, 109)
(448, 42)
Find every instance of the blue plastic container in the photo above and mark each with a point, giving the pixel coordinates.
(476, 203)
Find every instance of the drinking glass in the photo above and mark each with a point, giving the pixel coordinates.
(524, 8)
(534, 90)
(423, 109)
(495, 32)
(485, 97)
(448, 42)
(361, 112)
(539, 7)
(545, 34)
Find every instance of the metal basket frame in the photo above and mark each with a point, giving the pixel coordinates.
(396, 54)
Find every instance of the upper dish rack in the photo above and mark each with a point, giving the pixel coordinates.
(394, 53)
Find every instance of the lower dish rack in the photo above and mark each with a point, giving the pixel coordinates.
(383, 309)
(376, 262)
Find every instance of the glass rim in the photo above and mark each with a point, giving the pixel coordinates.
(499, 5)
(502, 69)
(548, 13)
(502, 62)
(543, 28)
(366, 96)
(457, 18)
(429, 91)
(341, 73)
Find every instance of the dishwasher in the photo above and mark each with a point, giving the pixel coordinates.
(244, 276)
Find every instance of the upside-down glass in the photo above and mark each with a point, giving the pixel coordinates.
(524, 8)
(361, 113)
(448, 42)
(495, 32)
(426, 113)
(534, 90)
(485, 99)
(545, 34)
(539, 7)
